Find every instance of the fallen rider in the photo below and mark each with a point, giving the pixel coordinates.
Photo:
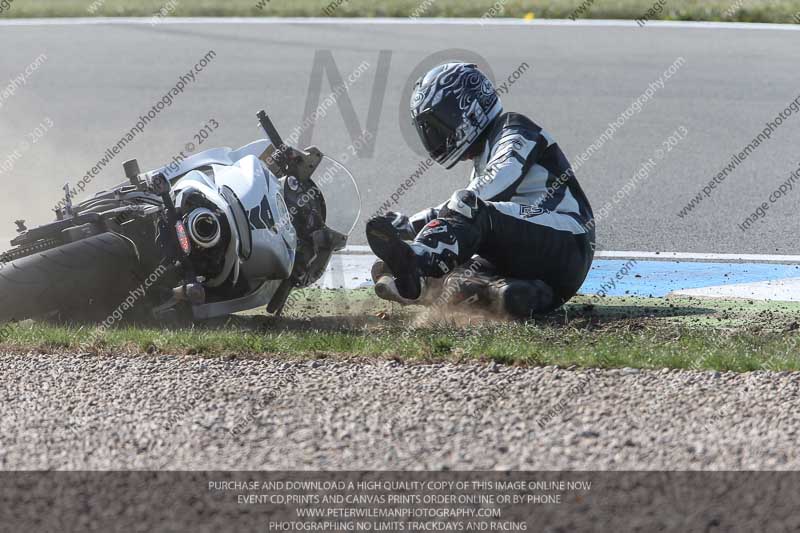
(518, 241)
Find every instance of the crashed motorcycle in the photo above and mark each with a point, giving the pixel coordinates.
(219, 232)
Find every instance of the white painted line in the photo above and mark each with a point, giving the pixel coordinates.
(781, 290)
(700, 257)
(347, 272)
(357, 250)
(657, 256)
(668, 24)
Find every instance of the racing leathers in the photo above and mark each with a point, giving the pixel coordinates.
(523, 224)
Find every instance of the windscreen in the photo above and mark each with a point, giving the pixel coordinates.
(341, 194)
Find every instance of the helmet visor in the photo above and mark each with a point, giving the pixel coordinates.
(436, 137)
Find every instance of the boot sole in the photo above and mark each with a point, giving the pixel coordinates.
(400, 259)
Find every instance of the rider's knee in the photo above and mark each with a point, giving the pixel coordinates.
(524, 298)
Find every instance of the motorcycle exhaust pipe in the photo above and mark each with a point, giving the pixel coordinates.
(204, 228)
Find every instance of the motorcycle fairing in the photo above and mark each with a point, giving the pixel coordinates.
(272, 236)
(274, 239)
(213, 156)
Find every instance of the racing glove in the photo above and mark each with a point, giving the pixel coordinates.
(421, 219)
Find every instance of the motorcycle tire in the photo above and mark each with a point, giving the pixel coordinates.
(77, 281)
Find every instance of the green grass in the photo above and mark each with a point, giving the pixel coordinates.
(750, 11)
(616, 332)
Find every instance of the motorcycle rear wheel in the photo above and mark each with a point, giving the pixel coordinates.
(83, 280)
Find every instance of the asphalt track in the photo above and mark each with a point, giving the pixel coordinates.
(98, 79)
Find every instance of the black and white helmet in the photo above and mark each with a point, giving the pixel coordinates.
(450, 107)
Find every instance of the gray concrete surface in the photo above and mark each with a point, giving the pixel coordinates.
(98, 79)
(152, 412)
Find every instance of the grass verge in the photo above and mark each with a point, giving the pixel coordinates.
(783, 11)
(617, 332)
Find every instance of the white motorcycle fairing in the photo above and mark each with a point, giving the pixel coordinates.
(274, 239)
(264, 241)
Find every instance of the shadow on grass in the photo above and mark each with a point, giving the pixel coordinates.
(592, 315)
(361, 313)
(580, 316)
